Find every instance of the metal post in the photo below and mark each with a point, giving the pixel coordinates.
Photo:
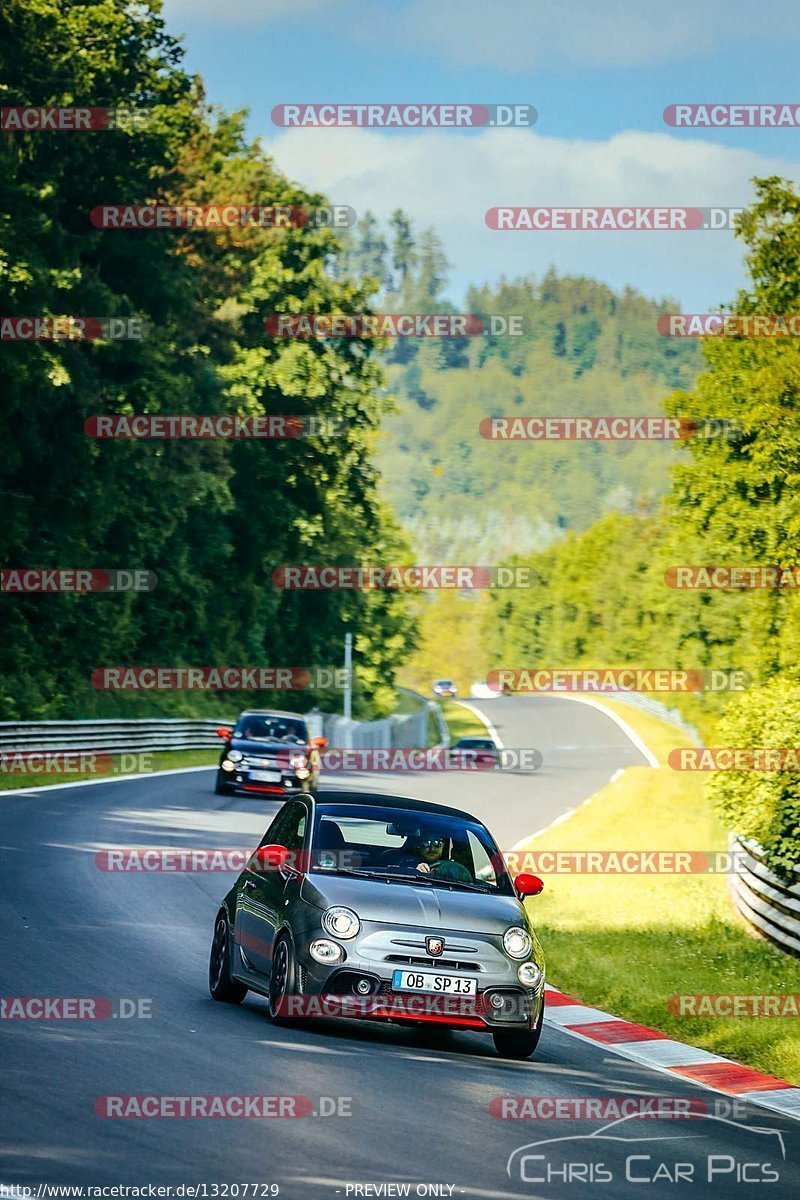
(348, 675)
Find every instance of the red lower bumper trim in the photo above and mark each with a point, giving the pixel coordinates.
(428, 1018)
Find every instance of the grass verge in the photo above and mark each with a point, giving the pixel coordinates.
(627, 943)
(461, 721)
(127, 764)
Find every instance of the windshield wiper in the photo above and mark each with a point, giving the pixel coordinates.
(343, 871)
(459, 883)
(416, 877)
(397, 876)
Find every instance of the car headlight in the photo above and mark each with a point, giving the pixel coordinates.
(324, 951)
(517, 942)
(340, 922)
(528, 974)
(235, 755)
(227, 765)
(300, 764)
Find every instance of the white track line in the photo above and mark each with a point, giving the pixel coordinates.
(666, 1056)
(476, 712)
(629, 732)
(50, 787)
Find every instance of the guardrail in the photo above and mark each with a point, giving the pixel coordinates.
(143, 734)
(768, 903)
(149, 735)
(409, 731)
(672, 716)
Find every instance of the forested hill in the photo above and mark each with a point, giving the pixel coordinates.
(585, 350)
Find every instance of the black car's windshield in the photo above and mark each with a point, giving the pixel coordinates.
(400, 844)
(271, 729)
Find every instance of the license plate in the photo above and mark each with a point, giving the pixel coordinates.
(265, 776)
(427, 981)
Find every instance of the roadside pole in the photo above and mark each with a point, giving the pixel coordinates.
(348, 675)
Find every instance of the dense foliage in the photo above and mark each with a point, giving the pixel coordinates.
(212, 519)
(601, 598)
(764, 805)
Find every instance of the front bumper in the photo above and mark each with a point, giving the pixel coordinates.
(373, 957)
(245, 778)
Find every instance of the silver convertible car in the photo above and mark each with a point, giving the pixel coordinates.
(379, 907)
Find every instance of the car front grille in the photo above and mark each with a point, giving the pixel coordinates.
(409, 960)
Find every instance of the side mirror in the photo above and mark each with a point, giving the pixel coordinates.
(528, 885)
(319, 742)
(225, 733)
(268, 858)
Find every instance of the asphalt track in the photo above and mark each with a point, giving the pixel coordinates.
(419, 1112)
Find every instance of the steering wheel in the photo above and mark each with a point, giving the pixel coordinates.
(452, 870)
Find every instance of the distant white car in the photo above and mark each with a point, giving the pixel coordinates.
(445, 688)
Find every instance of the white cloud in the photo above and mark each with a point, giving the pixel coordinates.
(448, 180)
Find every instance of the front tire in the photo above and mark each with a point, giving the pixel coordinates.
(221, 984)
(222, 788)
(281, 980)
(518, 1043)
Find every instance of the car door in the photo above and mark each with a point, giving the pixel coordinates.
(263, 894)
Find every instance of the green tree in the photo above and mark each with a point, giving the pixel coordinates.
(404, 254)
(212, 519)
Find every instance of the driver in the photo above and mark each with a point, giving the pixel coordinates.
(428, 849)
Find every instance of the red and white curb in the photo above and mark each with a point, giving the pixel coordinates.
(662, 1053)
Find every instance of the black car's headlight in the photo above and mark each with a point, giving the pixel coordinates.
(517, 942)
(235, 755)
(227, 765)
(340, 922)
(300, 764)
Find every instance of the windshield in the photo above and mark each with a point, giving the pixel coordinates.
(405, 845)
(271, 729)
(474, 744)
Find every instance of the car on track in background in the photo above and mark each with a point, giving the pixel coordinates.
(477, 752)
(271, 753)
(445, 688)
(383, 908)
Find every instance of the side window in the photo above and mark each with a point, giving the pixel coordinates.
(482, 869)
(288, 828)
(273, 835)
(297, 828)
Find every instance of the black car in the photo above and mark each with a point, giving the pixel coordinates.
(380, 907)
(270, 753)
(475, 752)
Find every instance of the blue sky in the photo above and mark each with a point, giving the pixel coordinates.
(599, 74)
